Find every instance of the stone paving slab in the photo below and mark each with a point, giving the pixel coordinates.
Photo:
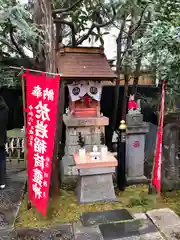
(89, 233)
(151, 236)
(59, 232)
(113, 231)
(148, 231)
(8, 234)
(10, 199)
(64, 231)
(167, 222)
(163, 218)
(34, 234)
(172, 233)
(97, 218)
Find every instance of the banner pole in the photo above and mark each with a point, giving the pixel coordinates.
(25, 134)
(36, 71)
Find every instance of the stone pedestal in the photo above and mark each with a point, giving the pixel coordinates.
(95, 184)
(90, 129)
(135, 147)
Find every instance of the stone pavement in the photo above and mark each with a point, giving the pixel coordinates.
(109, 225)
(154, 225)
(10, 199)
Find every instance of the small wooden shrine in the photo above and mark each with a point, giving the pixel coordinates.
(83, 70)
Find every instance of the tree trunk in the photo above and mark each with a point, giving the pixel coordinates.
(136, 76)
(46, 58)
(118, 70)
(43, 17)
(125, 97)
(138, 61)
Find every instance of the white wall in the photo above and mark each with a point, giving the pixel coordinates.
(109, 43)
(23, 1)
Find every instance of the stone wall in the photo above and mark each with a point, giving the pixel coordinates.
(91, 130)
(91, 136)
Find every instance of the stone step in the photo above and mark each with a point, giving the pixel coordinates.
(97, 218)
(140, 228)
(167, 222)
(8, 234)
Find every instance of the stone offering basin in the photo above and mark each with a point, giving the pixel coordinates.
(95, 182)
(87, 162)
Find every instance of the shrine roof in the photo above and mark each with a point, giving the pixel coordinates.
(84, 63)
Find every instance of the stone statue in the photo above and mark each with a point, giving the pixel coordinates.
(133, 107)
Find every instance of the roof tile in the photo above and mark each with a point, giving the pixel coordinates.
(87, 65)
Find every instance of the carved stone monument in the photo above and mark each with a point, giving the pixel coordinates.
(171, 158)
(135, 144)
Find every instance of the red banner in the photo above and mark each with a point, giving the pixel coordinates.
(156, 180)
(42, 104)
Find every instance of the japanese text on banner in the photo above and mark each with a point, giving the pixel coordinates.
(42, 102)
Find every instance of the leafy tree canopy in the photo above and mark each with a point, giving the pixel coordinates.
(160, 45)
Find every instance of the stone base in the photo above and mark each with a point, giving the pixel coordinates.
(71, 121)
(170, 184)
(136, 180)
(95, 185)
(134, 119)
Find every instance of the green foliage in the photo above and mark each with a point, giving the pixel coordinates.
(26, 32)
(17, 20)
(160, 45)
(84, 15)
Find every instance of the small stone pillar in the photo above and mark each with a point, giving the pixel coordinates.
(135, 145)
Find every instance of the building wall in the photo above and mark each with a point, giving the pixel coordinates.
(144, 80)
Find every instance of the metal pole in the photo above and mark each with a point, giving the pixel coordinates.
(121, 156)
(36, 71)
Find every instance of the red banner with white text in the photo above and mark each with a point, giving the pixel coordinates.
(42, 104)
(156, 180)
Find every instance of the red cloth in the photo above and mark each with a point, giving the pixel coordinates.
(156, 180)
(87, 100)
(132, 105)
(42, 104)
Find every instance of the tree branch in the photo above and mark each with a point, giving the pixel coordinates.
(119, 45)
(96, 25)
(62, 10)
(8, 45)
(72, 26)
(131, 31)
(140, 20)
(19, 49)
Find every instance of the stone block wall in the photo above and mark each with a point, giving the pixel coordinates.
(91, 135)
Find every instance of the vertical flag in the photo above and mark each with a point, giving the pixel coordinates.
(42, 103)
(156, 179)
